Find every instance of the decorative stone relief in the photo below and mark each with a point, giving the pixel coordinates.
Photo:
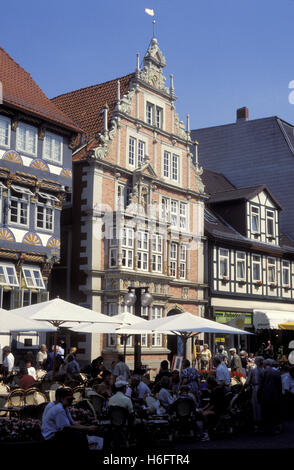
(125, 103)
(102, 150)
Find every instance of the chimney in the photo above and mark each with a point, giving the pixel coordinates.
(242, 114)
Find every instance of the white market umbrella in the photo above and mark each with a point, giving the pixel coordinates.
(11, 322)
(185, 325)
(122, 319)
(58, 312)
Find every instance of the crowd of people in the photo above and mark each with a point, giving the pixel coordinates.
(269, 384)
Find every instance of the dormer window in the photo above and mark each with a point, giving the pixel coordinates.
(270, 224)
(255, 219)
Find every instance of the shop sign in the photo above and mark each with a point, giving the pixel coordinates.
(235, 319)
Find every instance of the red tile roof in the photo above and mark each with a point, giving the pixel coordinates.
(20, 91)
(84, 105)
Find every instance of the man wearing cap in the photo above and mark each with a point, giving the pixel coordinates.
(235, 363)
(222, 354)
(119, 398)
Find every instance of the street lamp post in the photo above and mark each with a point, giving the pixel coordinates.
(138, 299)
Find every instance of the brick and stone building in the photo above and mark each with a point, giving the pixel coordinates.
(138, 203)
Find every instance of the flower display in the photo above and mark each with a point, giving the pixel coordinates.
(17, 430)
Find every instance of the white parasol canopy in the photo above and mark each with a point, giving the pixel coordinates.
(9, 321)
(122, 320)
(58, 312)
(182, 323)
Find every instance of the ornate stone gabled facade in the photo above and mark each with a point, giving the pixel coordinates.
(138, 203)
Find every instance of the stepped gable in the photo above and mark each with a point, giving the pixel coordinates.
(21, 91)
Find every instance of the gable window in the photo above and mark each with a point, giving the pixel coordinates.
(8, 275)
(256, 268)
(156, 312)
(142, 250)
(286, 273)
(270, 223)
(157, 253)
(52, 148)
(223, 262)
(26, 138)
(45, 211)
(19, 205)
(154, 115)
(240, 261)
(255, 219)
(136, 151)
(33, 277)
(271, 270)
(173, 259)
(4, 131)
(170, 166)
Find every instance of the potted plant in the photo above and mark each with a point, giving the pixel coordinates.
(225, 279)
(241, 282)
(258, 283)
(273, 285)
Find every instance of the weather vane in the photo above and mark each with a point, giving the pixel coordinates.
(151, 13)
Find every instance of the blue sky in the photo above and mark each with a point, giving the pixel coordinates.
(224, 54)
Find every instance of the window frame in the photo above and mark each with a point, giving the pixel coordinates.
(271, 270)
(49, 206)
(8, 120)
(240, 259)
(286, 268)
(50, 159)
(138, 151)
(273, 220)
(19, 201)
(6, 275)
(32, 269)
(252, 216)
(256, 262)
(156, 312)
(221, 258)
(27, 127)
(171, 171)
(157, 252)
(142, 250)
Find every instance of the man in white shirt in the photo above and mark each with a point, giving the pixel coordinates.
(8, 361)
(119, 398)
(121, 369)
(222, 374)
(59, 428)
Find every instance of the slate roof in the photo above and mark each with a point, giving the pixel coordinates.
(251, 152)
(21, 92)
(217, 228)
(83, 106)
